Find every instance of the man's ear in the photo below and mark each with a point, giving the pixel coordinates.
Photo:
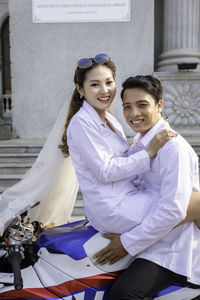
(159, 106)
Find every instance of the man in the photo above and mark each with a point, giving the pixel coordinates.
(165, 253)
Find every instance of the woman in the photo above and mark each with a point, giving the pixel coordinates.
(98, 148)
(51, 181)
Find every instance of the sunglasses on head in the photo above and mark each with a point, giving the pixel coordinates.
(87, 62)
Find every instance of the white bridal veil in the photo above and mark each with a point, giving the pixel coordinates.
(51, 180)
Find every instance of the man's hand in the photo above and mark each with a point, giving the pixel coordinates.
(113, 252)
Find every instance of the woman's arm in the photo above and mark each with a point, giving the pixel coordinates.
(95, 151)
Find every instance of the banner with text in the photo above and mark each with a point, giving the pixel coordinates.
(53, 11)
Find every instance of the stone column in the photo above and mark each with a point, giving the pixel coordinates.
(181, 34)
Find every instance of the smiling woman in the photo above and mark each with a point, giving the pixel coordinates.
(99, 89)
(98, 148)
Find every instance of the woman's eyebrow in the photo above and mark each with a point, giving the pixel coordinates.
(96, 80)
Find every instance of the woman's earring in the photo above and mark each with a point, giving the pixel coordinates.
(81, 96)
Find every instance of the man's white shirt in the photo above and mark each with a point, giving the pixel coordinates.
(173, 175)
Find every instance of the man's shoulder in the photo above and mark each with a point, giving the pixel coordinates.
(176, 146)
(177, 142)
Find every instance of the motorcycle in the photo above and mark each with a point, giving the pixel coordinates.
(59, 264)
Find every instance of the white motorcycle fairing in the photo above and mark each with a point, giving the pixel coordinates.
(66, 270)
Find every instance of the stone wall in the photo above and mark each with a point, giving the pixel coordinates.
(43, 59)
(181, 102)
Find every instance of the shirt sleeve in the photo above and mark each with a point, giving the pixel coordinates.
(98, 156)
(176, 171)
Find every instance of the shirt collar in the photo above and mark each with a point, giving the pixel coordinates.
(92, 112)
(146, 139)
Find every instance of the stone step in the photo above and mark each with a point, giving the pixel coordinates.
(79, 195)
(78, 211)
(196, 148)
(7, 180)
(2, 188)
(18, 158)
(14, 168)
(78, 208)
(76, 218)
(19, 149)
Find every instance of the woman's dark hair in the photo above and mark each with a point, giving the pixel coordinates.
(77, 100)
(148, 83)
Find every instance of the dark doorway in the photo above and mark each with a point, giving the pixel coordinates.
(5, 47)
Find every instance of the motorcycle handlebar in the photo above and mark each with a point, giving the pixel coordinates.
(14, 258)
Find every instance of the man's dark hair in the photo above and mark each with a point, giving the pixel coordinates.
(148, 83)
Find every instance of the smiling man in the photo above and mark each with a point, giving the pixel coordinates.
(142, 113)
(164, 253)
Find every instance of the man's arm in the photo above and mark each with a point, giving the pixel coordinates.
(175, 191)
(176, 187)
(113, 252)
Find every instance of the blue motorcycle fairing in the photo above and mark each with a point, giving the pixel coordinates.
(68, 239)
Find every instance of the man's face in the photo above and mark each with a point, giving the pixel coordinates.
(140, 110)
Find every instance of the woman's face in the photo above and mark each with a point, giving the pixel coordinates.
(99, 88)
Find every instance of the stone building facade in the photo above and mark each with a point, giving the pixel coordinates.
(179, 66)
(162, 38)
(5, 76)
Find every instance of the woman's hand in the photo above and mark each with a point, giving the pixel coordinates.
(159, 140)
